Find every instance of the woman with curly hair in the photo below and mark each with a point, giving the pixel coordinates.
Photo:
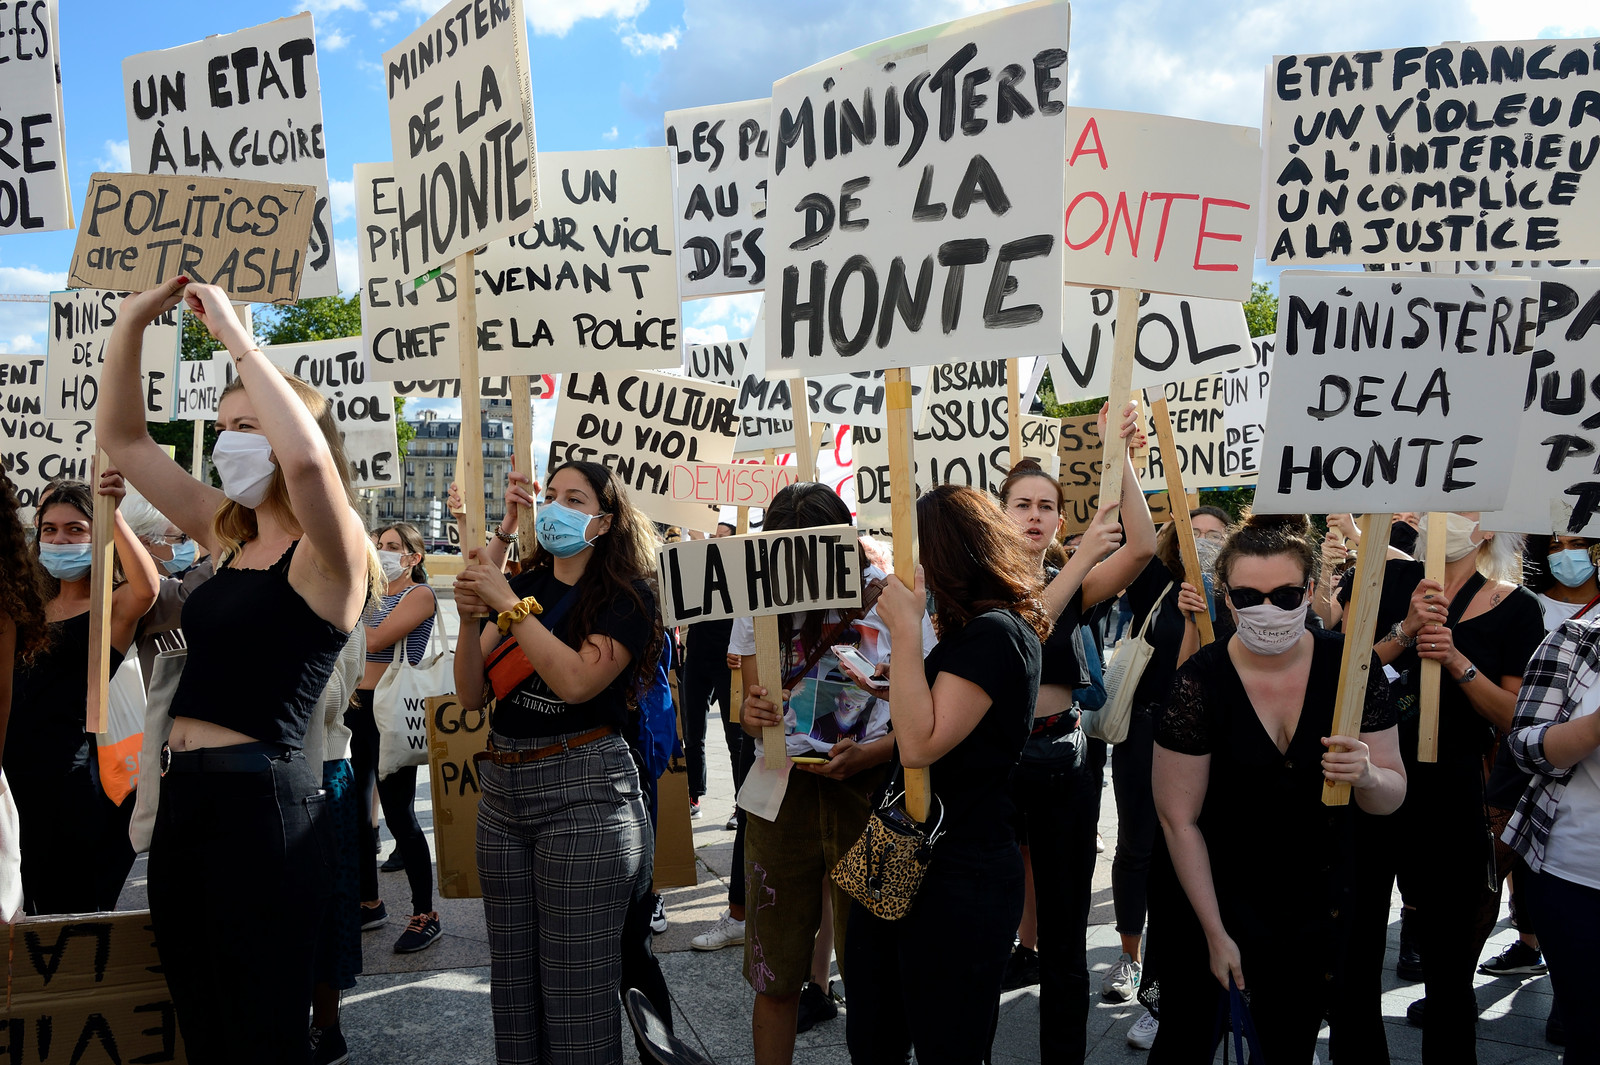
(75, 847)
(563, 830)
(931, 980)
(23, 635)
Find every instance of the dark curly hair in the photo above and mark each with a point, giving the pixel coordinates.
(20, 604)
(1266, 535)
(974, 561)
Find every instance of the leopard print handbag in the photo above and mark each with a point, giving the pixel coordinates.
(885, 867)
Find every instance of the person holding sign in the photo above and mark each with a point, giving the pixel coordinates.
(1255, 871)
(563, 829)
(24, 635)
(240, 831)
(1481, 627)
(1057, 787)
(75, 848)
(931, 980)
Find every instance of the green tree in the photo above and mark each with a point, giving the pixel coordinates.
(1261, 310)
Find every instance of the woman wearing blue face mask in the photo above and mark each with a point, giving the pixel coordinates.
(563, 831)
(1561, 572)
(75, 848)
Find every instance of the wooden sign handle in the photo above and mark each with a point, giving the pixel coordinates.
(805, 452)
(1125, 345)
(1014, 411)
(198, 460)
(903, 530)
(103, 529)
(769, 667)
(1428, 679)
(1179, 501)
(469, 460)
(1360, 626)
(521, 389)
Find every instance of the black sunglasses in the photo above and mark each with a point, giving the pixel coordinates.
(1286, 598)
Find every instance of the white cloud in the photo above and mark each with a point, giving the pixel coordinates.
(642, 43)
(716, 334)
(556, 17)
(380, 19)
(21, 344)
(332, 42)
(116, 159)
(30, 279)
(719, 318)
(342, 199)
(328, 7)
(349, 267)
(609, 135)
(1500, 21)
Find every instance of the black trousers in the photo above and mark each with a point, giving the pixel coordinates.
(1137, 824)
(75, 848)
(706, 679)
(239, 874)
(1568, 922)
(396, 795)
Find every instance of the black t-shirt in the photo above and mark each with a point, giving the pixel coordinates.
(1000, 653)
(1059, 662)
(532, 709)
(1166, 632)
(46, 738)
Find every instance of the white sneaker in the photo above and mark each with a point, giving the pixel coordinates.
(658, 916)
(1142, 1036)
(725, 933)
(1121, 983)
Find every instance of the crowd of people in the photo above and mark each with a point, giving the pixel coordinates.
(1241, 899)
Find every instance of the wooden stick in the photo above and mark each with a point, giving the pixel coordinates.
(521, 389)
(769, 667)
(805, 452)
(1127, 340)
(735, 694)
(103, 537)
(1014, 410)
(1180, 511)
(1360, 626)
(1140, 455)
(903, 529)
(469, 464)
(1428, 679)
(198, 461)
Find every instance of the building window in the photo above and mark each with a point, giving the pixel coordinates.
(411, 469)
(430, 469)
(449, 469)
(411, 490)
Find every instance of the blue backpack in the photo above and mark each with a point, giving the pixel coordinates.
(658, 716)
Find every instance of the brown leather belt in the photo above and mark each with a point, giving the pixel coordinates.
(536, 754)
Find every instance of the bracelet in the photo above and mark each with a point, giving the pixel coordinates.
(1398, 635)
(504, 537)
(508, 618)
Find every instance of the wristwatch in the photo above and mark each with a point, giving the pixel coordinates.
(1467, 675)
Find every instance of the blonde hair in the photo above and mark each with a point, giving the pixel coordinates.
(1499, 557)
(234, 525)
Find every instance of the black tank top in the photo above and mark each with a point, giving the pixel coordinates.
(259, 656)
(45, 738)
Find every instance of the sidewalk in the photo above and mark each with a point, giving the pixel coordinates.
(434, 1006)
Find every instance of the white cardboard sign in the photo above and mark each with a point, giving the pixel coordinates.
(931, 230)
(1198, 410)
(1246, 393)
(719, 179)
(409, 332)
(362, 408)
(1459, 151)
(1180, 338)
(1161, 204)
(1395, 393)
(198, 389)
(36, 450)
(461, 127)
(80, 324)
(246, 104)
(759, 574)
(34, 197)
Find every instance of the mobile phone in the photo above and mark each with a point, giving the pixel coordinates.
(810, 759)
(858, 662)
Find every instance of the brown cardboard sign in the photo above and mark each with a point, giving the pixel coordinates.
(248, 237)
(674, 858)
(1080, 477)
(455, 734)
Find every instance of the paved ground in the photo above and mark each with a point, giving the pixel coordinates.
(434, 1006)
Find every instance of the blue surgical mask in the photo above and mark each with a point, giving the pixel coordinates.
(561, 529)
(66, 562)
(182, 557)
(1572, 567)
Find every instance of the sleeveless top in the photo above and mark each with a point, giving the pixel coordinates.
(259, 656)
(45, 738)
(416, 639)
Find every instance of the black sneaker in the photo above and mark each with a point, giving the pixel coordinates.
(1408, 966)
(1518, 959)
(816, 1007)
(1415, 1011)
(1022, 969)
(374, 917)
(1555, 1033)
(328, 1047)
(422, 931)
(396, 863)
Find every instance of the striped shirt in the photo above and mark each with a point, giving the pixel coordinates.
(416, 639)
(1566, 665)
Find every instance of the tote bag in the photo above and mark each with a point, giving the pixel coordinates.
(1110, 722)
(164, 677)
(400, 702)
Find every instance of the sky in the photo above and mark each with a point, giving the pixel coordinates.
(604, 71)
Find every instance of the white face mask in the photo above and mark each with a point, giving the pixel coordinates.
(1265, 629)
(244, 462)
(1458, 541)
(392, 566)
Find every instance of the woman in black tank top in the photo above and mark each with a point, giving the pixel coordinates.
(237, 874)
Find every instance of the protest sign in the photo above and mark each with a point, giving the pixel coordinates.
(34, 448)
(1081, 451)
(719, 174)
(1180, 338)
(742, 484)
(461, 127)
(1041, 439)
(1161, 204)
(721, 364)
(80, 324)
(363, 409)
(863, 221)
(1198, 413)
(1457, 151)
(590, 284)
(639, 425)
(488, 388)
(1394, 393)
(198, 389)
(247, 237)
(245, 104)
(1245, 392)
(88, 989)
(1519, 267)
(409, 331)
(455, 734)
(34, 197)
(759, 574)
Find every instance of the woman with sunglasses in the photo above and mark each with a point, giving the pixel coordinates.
(1249, 887)
(1481, 627)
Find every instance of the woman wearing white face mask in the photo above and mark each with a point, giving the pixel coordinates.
(402, 618)
(1259, 869)
(75, 848)
(237, 874)
(1481, 627)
